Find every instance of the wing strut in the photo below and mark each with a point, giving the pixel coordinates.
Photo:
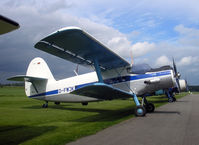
(98, 71)
(34, 87)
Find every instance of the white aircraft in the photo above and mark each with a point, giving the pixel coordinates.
(7, 25)
(113, 77)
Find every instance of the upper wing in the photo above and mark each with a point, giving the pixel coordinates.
(101, 91)
(7, 25)
(75, 45)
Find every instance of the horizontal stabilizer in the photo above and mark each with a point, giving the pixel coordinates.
(26, 78)
(102, 91)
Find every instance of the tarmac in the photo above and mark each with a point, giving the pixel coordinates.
(172, 124)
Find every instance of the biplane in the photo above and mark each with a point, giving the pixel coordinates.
(113, 76)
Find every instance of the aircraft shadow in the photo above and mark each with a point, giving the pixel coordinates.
(167, 112)
(13, 135)
(102, 114)
(158, 101)
(158, 97)
(80, 109)
(182, 101)
(105, 115)
(50, 106)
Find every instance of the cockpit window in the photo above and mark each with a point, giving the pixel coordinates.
(140, 68)
(143, 68)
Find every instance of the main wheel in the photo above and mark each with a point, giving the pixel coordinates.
(170, 100)
(174, 99)
(140, 111)
(150, 107)
(84, 103)
(57, 103)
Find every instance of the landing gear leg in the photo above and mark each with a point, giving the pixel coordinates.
(45, 105)
(170, 96)
(149, 106)
(139, 110)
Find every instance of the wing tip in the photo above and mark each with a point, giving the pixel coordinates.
(66, 29)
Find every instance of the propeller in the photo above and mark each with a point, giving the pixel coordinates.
(176, 75)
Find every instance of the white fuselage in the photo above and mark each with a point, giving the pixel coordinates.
(60, 91)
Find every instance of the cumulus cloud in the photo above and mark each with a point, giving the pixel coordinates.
(163, 60)
(141, 48)
(36, 23)
(192, 32)
(188, 36)
(121, 45)
(188, 60)
(110, 25)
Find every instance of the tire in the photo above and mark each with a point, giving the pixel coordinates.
(84, 103)
(140, 111)
(57, 103)
(150, 107)
(170, 100)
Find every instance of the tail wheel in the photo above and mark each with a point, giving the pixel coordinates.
(150, 107)
(140, 111)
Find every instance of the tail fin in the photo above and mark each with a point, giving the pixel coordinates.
(39, 68)
(37, 77)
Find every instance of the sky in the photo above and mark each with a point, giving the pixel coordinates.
(153, 31)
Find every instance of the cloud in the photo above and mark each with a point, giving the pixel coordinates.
(163, 60)
(141, 48)
(186, 31)
(154, 31)
(121, 45)
(37, 23)
(188, 60)
(188, 36)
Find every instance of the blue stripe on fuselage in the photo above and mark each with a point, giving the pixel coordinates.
(111, 81)
(136, 77)
(54, 92)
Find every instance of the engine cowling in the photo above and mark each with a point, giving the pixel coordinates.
(183, 85)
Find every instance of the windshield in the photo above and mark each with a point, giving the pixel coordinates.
(140, 68)
(143, 68)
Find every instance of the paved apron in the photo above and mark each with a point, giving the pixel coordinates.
(172, 124)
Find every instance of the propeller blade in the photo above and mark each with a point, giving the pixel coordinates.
(175, 68)
(176, 75)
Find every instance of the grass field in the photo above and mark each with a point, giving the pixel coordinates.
(23, 121)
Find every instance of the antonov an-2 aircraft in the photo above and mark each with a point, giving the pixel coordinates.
(112, 78)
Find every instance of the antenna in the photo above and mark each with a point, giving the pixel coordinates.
(131, 53)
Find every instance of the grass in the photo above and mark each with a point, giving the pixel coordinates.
(23, 121)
